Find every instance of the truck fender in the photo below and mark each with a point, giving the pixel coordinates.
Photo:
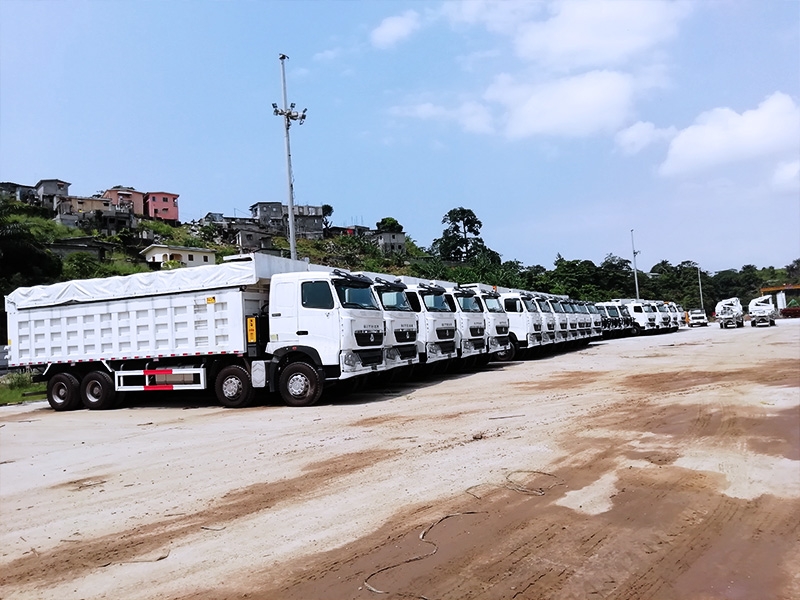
(278, 359)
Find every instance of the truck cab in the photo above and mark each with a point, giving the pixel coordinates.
(642, 313)
(400, 341)
(329, 321)
(525, 323)
(762, 311)
(548, 320)
(562, 320)
(729, 313)
(470, 322)
(436, 322)
(497, 324)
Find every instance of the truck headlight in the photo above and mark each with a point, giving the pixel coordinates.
(432, 349)
(350, 359)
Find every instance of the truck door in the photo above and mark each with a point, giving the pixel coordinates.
(318, 320)
(283, 313)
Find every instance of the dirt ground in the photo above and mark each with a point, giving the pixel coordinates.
(655, 467)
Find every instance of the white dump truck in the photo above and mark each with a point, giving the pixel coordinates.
(729, 313)
(436, 321)
(643, 315)
(400, 341)
(497, 325)
(255, 322)
(470, 323)
(524, 323)
(762, 311)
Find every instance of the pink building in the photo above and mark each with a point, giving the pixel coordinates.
(161, 205)
(126, 196)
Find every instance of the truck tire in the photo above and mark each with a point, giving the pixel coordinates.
(752, 323)
(233, 387)
(510, 353)
(63, 392)
(97, 391)
(637, 330)
(299, 384)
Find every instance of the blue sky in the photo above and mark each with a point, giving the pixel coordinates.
(563, 125)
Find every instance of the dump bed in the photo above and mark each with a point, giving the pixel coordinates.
(124, 318)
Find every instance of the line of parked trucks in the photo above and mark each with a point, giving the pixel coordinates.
(260, 323)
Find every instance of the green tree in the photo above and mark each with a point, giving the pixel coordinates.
(456, 243)
(82, 265)
(327, 211)
(388, 225)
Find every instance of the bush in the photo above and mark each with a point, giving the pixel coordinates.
(17, 380)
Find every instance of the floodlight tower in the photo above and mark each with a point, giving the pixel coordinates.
(635, 276)
(700, 285)
(289, 114)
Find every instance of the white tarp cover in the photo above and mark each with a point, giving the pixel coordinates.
(232, 274)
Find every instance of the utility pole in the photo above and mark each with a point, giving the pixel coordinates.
(700, 284)
(289, 114)
(635, 276)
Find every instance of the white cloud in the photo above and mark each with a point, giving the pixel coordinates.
(786, 177)
(499, 16)
(722, 136)
(599, 33)
(326, 55)
(640, 135)
(472, 116)
(395, 29)
(576, 106)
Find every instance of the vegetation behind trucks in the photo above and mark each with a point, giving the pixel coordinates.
(256, 321)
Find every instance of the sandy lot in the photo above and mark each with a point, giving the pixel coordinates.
(654, 467)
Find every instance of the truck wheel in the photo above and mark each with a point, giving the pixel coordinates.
(510, 353)
(97, 391)
(771, 323)
(233, 387)
(722, 325)
(63, 392)
(299, 384)
(637, 330)
(752, 323)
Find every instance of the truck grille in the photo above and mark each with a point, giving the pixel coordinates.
(476, 331)
(369, 338)
(479, 344)
(406, 352)
(447, 347)
(445, 333)
(370, 357)
(502, 329)
(404, 335)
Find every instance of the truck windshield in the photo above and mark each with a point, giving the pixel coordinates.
(493, 305)
(556, 306)
(355, 296)
(567, 307)
(530, 305)
(543, 306)
(392, 300)
(469, 304)
(612, 311)
(592, 309)
(648, 308)
(623, 310)
(435, 302)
